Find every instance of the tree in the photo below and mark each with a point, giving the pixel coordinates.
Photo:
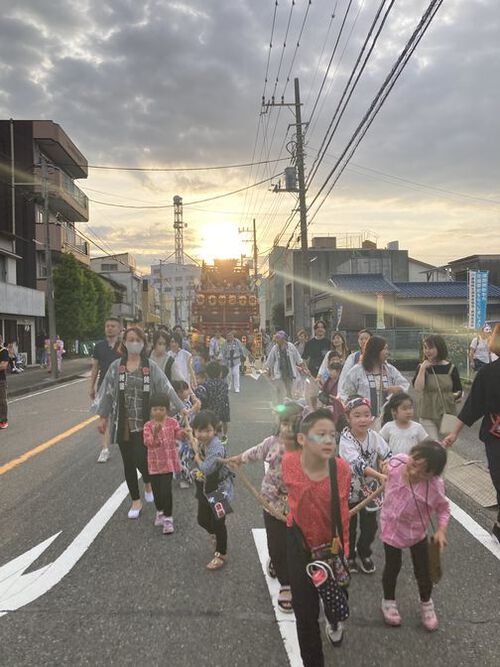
(82, 299)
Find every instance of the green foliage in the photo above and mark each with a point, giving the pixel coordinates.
(82, 300)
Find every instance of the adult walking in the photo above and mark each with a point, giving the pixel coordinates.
(123, 401)
(315, 351)
(438, 386)
(105, 352)
(161, 346)
(374, 378)
(284, 365)
(300, 343)
(180, 363)
(214, 348)
(355, 357)
(338, 349)
(231, 354)
(479, 353)
(483, 402)
(4, 363)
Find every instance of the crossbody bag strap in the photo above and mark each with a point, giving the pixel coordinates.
(336, 517)
(426, 505)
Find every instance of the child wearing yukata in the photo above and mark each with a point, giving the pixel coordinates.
(186, 455)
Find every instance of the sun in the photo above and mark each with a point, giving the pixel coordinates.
(221, 240)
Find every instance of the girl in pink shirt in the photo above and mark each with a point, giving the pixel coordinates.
(414, 490)
(160, 435)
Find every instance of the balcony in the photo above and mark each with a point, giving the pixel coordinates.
(59, 148)
(18, 300)
(64, 196)
(64, 239)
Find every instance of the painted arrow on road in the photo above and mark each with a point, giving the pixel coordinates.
(18, 589)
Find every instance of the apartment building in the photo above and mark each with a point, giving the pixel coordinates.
(176, 284)
(122, 269)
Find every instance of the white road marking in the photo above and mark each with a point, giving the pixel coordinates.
(286, 622)
(18, 589)
(46, 391)
(479, 533)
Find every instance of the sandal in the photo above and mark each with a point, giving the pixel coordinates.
(285, 600)
(217, 561)
(271, 570)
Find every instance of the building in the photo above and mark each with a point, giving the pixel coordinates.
(24, 146)
(325, 260)
(176, 284)
(122, 269)
(422, 271)
(150, 303)
(490, 263)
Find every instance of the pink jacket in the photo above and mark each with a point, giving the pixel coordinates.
(401, 523)
(162, 450)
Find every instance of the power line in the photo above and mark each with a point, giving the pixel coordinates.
(378, 101)
(198, 201)
(173, 169)
(340, 110)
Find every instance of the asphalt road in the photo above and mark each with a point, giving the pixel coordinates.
(138, 597)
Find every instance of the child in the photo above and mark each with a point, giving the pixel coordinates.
(329, 384)
(362, 447)
(414, 491)
(273, 490)
(192, 405)
(398, 430)
(306, 475)
(200, 390)
(218, 395)
(160, 434)
(211, 475)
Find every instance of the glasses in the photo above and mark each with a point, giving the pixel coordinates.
(325, 439)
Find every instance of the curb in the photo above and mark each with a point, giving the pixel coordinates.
(46, 385)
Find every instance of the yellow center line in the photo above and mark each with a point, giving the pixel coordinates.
(45, 445)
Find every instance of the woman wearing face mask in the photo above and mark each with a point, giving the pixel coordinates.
(124, 395)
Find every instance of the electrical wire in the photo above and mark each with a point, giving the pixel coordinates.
(377, 102)
(198, 201)
(341, 106)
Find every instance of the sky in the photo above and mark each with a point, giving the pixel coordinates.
(178, 84)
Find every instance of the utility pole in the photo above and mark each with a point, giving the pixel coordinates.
(255, 253)
(302, 209)
(162, 296)
(51, 310)
(302, 309)
(13, 184)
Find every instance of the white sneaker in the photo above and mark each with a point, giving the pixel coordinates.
(103, 456)
(335, 635)
(148, 496)
(134, 513)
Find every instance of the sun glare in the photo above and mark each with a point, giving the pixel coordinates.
(221, 240)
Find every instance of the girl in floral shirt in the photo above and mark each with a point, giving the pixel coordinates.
(160, 435)
(273, 490)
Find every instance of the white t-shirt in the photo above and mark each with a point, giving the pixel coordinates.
(479, 346)
(180, 367)
(401, 440)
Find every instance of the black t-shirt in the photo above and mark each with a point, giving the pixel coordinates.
(105, 355)
(314, 352)
(4, 356)
(444, 369)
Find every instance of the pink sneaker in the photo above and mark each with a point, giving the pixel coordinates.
(159, 519)
(391, 613)
(168, 525)
(428, 615)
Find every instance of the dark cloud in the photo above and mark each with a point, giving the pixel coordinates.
(179, 82)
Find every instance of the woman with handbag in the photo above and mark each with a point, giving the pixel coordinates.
(483, 402)
(374, 378)
(317, 529)
(438, 386)
(413, 492)
(124, 396)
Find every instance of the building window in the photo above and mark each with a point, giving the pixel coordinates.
(3, 269)
(109, 267)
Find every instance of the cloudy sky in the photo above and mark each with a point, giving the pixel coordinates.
(167, 83)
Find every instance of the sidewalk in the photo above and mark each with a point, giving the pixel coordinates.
(36, 378)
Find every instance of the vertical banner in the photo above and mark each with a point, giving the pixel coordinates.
(339, 309)
(380, 312)
(477, 298)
